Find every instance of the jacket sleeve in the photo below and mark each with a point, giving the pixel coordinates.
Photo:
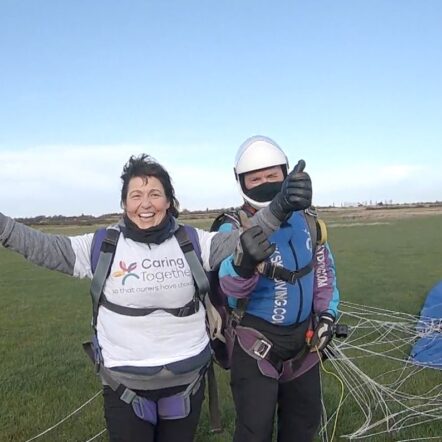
(325, 290)
(54, 252)
(232, 284)
(222, 244)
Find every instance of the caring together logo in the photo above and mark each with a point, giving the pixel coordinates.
(126, 271)
(153, 270)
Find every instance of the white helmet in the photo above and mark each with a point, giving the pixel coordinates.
(257, 152)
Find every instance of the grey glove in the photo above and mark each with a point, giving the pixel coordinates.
(253, 248)
(323, 332)
(295, 194)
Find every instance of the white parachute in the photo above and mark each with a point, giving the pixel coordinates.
(386, 389)
(383, 389)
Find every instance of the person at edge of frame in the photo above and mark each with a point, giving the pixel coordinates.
(150, 351)
(282, 313)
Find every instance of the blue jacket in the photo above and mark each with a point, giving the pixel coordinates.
(280, 302)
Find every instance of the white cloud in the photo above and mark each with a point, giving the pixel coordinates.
(71, 180)
(377, 182)
(398, 172)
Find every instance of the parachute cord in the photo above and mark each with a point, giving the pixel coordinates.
(97, 435)
(341, 398)
(65, 418)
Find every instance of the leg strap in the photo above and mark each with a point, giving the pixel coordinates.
(172, 407)
(256, 345)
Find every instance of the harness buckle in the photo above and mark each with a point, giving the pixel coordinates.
(184, 311)
(269, 270)
(265, 269)
(189, 309)
(235, 318)
(293, 277)
(261, 348)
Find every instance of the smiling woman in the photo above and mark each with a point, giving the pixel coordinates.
(150, 341)
(146, 203)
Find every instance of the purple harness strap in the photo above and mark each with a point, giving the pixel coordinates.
(172, 407)
(145, 409)
(176, 406)
(257, 346)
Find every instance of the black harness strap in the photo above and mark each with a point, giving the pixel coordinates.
(198, 273)
(107, 253)
(273, 271)
(294, 362)
(269, 270)
(189, 309)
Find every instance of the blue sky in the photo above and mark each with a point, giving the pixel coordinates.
(353, 87)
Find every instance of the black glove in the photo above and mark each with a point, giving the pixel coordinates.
(323, 332)
(295, 194)
(253, 248)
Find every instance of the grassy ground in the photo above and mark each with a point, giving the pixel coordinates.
(44, 317)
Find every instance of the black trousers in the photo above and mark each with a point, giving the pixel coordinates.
(124, 425)
(257, 397)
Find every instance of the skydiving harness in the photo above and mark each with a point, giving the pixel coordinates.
(254, 343)
(318, 235)
(172, 407)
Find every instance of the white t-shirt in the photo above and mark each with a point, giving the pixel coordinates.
(147, 276)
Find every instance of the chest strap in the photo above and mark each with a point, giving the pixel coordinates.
(107, 253)
(273, 271)
(189, 309)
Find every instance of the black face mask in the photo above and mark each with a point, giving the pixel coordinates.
(264, 192)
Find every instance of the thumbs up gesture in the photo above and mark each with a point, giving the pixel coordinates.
(295, 194)
(253, 247)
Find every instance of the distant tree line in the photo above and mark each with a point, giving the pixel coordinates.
(106, 219)
(185, 214)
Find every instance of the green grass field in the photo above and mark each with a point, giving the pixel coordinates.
(45, 316)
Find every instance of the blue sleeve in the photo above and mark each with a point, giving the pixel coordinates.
(230, 282)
